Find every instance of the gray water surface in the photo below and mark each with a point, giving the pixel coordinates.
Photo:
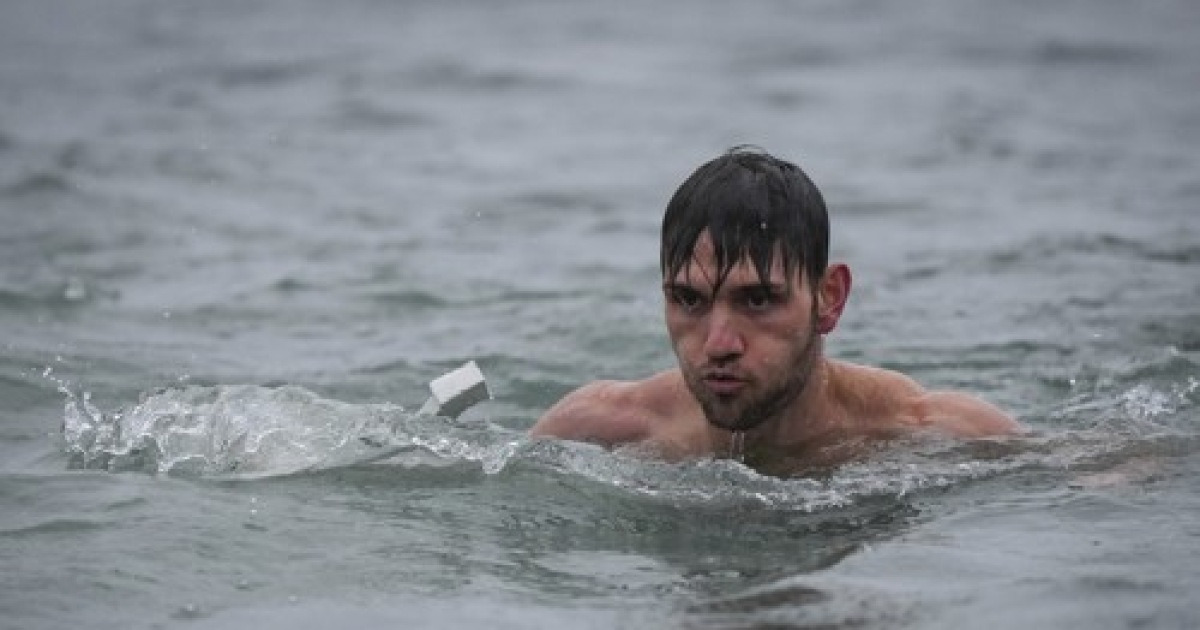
(239, 238)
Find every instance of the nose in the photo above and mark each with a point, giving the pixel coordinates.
(723, 341)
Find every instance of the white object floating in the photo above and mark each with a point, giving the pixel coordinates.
(456, 391)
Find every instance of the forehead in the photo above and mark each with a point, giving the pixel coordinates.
(702, 268)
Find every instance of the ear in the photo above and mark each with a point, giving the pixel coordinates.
(832, 293)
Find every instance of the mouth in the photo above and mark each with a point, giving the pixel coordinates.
(724, 384)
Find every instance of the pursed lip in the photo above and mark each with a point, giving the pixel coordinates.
(724, 383)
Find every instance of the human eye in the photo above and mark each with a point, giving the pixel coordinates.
(689, 299)
(759, 299)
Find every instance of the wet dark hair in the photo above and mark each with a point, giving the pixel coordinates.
(749, 201)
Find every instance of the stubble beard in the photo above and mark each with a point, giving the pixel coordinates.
(740, 413)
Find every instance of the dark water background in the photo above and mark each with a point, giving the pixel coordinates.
(236, 238)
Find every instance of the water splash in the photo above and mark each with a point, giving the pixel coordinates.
(248, 430)
(251, 431)
(727, 483)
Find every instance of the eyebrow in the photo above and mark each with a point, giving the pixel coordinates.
(778, 288)
(774, 289)
(679, 281)
(671, 285)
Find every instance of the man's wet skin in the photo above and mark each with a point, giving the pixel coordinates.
(749, 298)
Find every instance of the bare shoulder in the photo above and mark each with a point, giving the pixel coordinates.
(881, 393)
(963, 415)
(607, 412)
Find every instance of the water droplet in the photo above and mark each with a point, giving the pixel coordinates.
(737, 446)
(75, 290)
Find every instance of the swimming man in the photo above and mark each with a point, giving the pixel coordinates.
(749, 297)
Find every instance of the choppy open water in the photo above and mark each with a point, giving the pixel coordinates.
(238, 238)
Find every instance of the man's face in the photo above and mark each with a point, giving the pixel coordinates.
(746, 349)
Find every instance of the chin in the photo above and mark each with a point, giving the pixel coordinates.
(732, 421)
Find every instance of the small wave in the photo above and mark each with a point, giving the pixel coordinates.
(455, 75)
(37, 184)
(1060, 52)
(790, 603)
(367, 116)
(256, 431)
(67, 526)
(901, 470)
(265, 73)
(1037, 251)
(1140, 396)
(47, 293)
(774, 56)
(411, 298)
